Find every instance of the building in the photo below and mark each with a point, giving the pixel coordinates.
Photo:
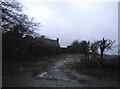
(48, 42)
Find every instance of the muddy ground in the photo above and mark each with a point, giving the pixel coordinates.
(54, 71)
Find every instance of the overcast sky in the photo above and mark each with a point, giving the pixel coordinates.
(69, 20)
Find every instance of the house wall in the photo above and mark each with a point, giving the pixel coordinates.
(49, 42)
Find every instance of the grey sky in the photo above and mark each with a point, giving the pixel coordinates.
(79, 19)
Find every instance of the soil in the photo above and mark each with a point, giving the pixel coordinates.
(57, 72)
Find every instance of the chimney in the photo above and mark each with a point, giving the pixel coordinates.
(42, 36)
(57, 40)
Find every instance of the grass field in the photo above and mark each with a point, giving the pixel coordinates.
(106, 68)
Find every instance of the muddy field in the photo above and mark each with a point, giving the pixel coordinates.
(57, 71)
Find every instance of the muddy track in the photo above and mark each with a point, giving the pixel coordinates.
(58, 74)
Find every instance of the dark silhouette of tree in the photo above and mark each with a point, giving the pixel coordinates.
(82, 47)
(118, 46)
(118, 52)
(94, 48)
(12, 15)
(75, 44)
(105, 44)
(85, 48)
(15, 31)
(17, 35)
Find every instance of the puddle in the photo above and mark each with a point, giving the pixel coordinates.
(42, 74)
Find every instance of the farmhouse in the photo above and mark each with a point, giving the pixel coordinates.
(48, 42)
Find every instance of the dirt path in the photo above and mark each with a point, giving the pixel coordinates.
(59, 74)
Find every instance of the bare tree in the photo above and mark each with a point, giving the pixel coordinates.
(12, 15)
(84, 46)
(105, 44)
(118, 49)
(75, 43)
(94, 48)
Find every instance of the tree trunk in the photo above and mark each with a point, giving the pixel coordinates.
(101, 54)
(94, 55)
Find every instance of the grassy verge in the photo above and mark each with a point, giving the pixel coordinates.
(35, 66)
(106, 68)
